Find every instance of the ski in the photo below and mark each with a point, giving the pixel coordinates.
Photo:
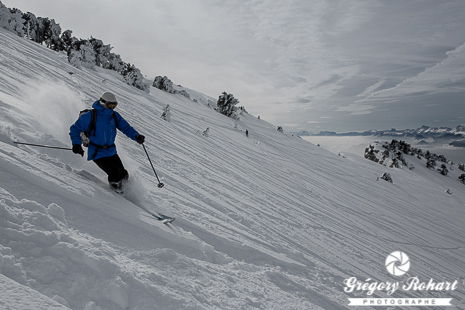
(162, 218)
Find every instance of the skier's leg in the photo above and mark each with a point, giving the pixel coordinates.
(123, 173)
(114, 168)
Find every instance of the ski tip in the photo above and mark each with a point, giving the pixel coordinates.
(167, 221)
(163, 218)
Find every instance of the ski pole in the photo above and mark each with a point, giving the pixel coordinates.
(46, 146)
(160, 185)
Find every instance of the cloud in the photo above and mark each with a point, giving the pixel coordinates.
(369, 90)
(356, 109)
(288, 61)
(446, 76)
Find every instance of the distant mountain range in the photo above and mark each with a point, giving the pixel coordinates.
(423, 132)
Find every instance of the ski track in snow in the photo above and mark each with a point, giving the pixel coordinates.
(267, 222)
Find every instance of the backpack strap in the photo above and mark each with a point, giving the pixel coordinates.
(116, 119)
(93, 120)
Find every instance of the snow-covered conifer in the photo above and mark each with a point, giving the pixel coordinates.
(166, 113)
(164, 83)
(386, 177)
(5, 17)
(74, 58)
(443, 170)
(17, 22)
(134, 77)
(227, 105)
(115, 63)
(42, 26)
(30, 26)
(102, 52)
(430, 163)
(52, 36)
(74, 52)
(88, 55)
(462, 178)
(185, 94)
(67, 39)
(370, 153)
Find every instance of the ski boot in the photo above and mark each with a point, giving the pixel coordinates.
(117, 187)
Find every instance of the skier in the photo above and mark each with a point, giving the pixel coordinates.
(102, 149)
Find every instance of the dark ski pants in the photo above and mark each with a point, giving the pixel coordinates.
(113, 166)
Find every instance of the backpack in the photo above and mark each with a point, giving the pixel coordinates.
(86, 134)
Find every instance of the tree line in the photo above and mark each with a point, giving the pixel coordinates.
(87, 53)
(90, 53)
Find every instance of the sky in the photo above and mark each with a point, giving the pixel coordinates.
(304, 65)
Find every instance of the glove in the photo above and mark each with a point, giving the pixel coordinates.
(140, 139)
(77, 149)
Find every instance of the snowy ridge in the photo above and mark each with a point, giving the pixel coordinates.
(267, 222)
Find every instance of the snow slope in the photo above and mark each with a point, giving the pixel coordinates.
(266, 222)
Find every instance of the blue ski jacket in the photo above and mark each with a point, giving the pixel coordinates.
(103, 138)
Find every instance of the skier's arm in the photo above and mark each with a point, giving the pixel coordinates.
(125, 128)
